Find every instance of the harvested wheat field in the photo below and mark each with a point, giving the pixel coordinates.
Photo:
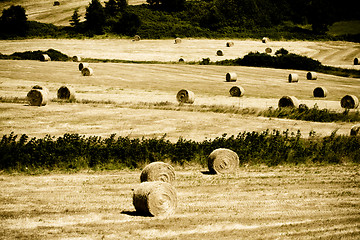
(253, 203)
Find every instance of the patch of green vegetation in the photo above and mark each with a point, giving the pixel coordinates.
(75, 152)
(37, 55)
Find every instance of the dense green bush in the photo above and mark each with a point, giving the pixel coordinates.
(76, 152)
(36, 55)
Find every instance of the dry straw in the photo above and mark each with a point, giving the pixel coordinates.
(229, 44)
(155, 199)
(219, 53)
(76, 59)
(231, 77)
(185, 96)
(45, 58)
(356, 61)
(177, 40)
(311, 76)
(320, 92)
(66, 92)
(87, 71)
(288, 101)
(223, 160)
(293, 77)
(349, 101)
(237, 91)
(268, 50)
(83, 65)
(158, 171)
(355, 130)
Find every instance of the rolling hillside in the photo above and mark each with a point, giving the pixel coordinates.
(45, 11)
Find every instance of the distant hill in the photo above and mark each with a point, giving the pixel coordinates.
(44, 10)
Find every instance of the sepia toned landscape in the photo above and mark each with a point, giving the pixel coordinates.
(132, 95)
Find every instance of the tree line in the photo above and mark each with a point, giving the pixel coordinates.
(194, 16)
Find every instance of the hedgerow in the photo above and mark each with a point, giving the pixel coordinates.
(72, 152)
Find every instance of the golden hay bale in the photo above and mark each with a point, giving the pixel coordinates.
(311, 76)
(223, 160)
(185, 96)
(355, 130)
(349, 101)
(229, 44)
(320, 92)
(45, 58)
(288, 101)
(136, 38)
(155, 198)
(56, 3)
(219, 53)
(268, 50)
(181, 60)
(66, 92)
(265, 40)
(231, 77)
(356, 61)
(293, 77)
(177, 40)
(37, 97)
(76, 58)
(41, 88)
(158, 171)
(83, 65)
(237, 91)
(87, 71)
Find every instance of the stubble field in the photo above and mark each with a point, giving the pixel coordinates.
(255, 202)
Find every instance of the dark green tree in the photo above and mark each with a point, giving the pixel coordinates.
(75, 19)
(126, 23)
(320, 14)
(169, 5)
(14, 20)
(113, 7)
(95, 17)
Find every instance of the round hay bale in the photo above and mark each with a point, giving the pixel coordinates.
(66, 92)
(288, 101)
(355, 130)
(37, 97)
(185, 96)
(155, 198)
(83, 65)
(231, 77)
(223, 160)
(45, 58)
(293, 77)
(219, 53)
(311, 76)
(349, 101)
(268, 50)
(356, 61)
(264, 40)
(87, 71)
(56, 3)
(76, 59)
(181, 60)
(177, 40)
(136, 38)
(320, 92)
(237, 91)
(158, 171)
(229, 44)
